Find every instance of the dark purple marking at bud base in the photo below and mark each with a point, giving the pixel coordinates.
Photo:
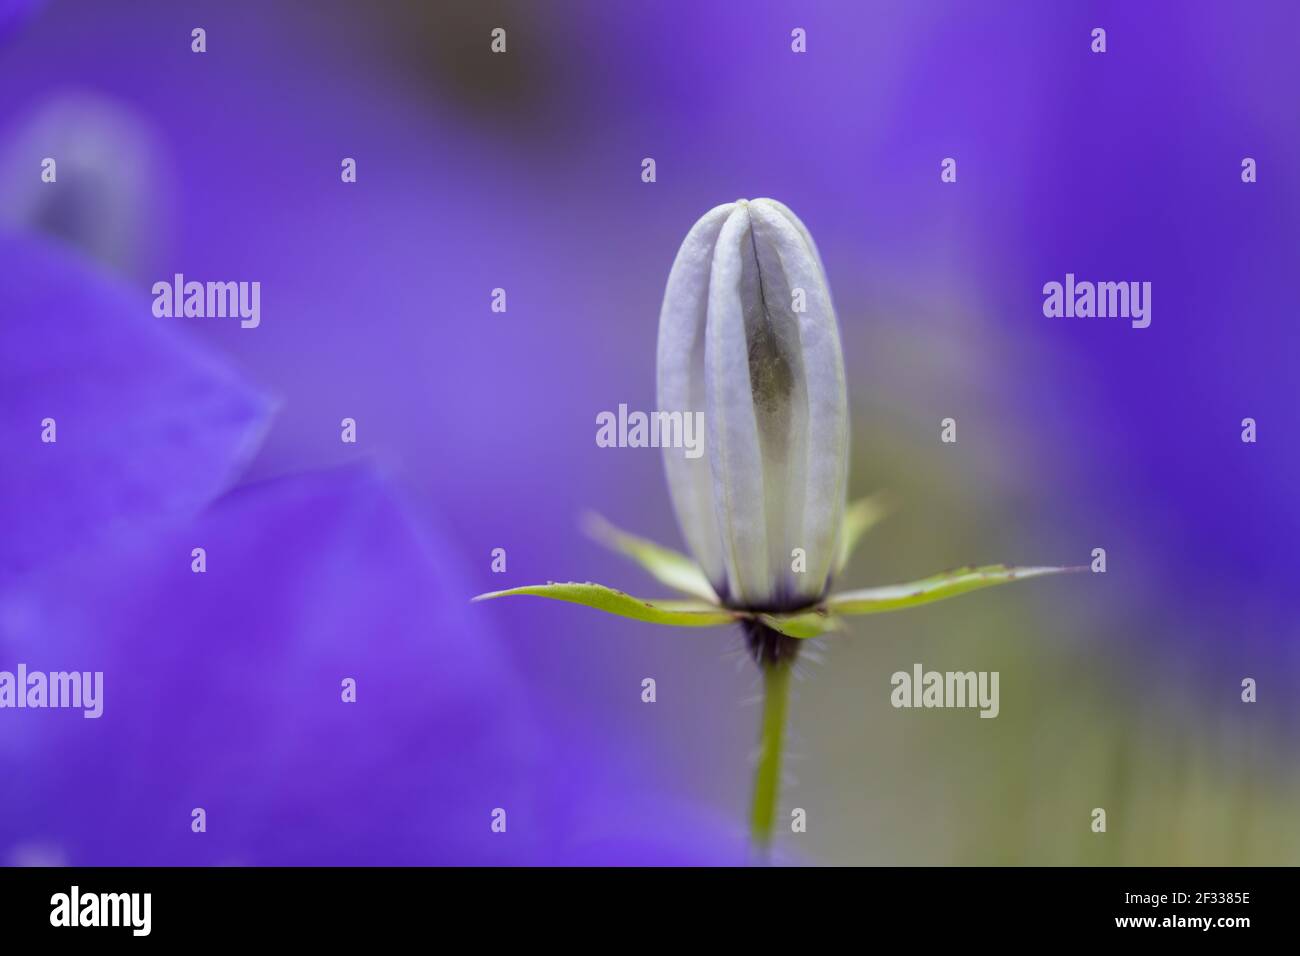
(769, 647)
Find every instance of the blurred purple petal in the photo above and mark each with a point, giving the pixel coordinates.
(622, 825)
(148, 426)
(222, 690)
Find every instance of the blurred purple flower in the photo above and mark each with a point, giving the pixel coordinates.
(114, 187)
(222, 690)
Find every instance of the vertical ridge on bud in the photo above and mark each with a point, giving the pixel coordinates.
(735, 332)
(770, 381)
(680, 386)
(820, 475)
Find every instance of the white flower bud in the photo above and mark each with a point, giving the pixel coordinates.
(747, 335)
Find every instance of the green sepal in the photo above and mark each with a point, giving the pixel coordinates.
(859, 518)
(802, 624)
(668, 567)
(895, 597)
(611, 601)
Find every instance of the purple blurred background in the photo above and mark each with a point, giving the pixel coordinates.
(476, 429)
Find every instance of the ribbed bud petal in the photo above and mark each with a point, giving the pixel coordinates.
(748, 336)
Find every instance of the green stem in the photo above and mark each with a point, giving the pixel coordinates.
(767, 776)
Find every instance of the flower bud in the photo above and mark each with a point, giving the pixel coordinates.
(747, 335)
